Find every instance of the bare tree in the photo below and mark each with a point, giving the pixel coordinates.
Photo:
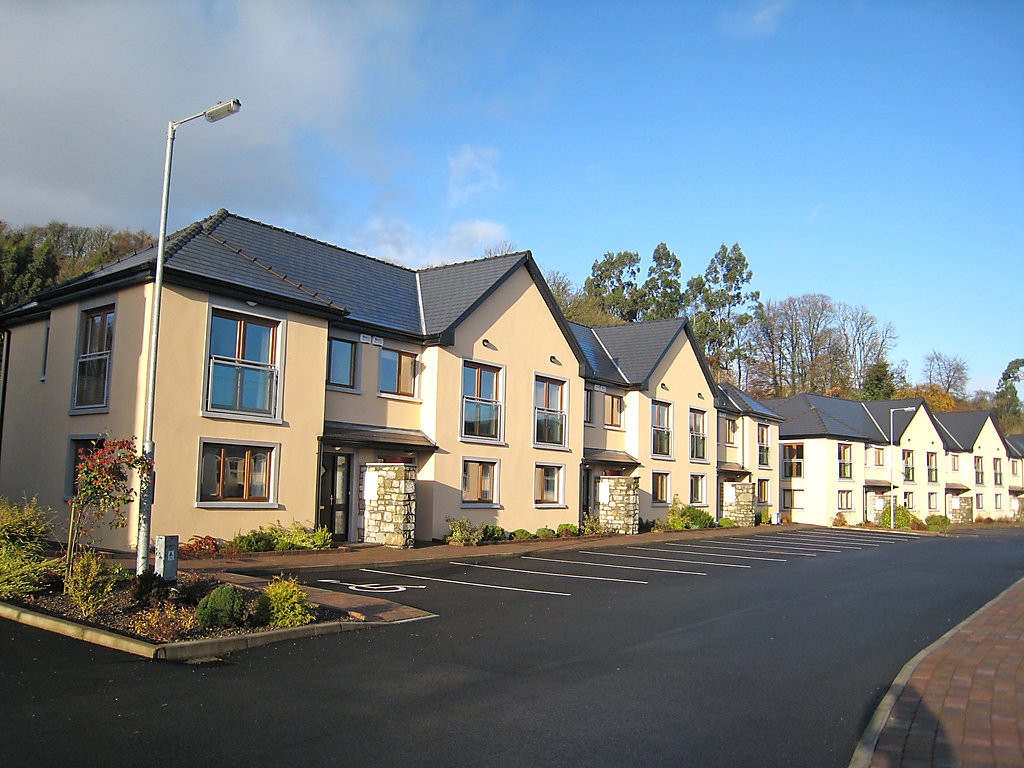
(500, 248)
(946, 372)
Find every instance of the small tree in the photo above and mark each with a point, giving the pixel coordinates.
(103, 487)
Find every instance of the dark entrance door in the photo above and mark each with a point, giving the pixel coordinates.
(335, 483)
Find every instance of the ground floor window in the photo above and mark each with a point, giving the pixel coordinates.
(792, 498)
(479, 481)
(846, 500)
(933, 501)
(979, 501)
(698, 489)
(78, 449)
(235, 472)
(547, 484)
(660, 487)
(763, 491)
(908, 499)
(999, 501)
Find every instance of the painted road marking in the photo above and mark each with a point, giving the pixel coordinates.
(831, 540)
(666, 559)
(768, 549)
(815, 540)
(610, 565)
(372, 587)
(779, 543)
(468, 583)
(545, 573)
(721, 554)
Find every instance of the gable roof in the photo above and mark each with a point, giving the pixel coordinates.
(736, 400)
(966, 426)
(819, 416)
(1016, 443)
(240, 257)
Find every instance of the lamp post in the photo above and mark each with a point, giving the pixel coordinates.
(213, 114)
(892, 465)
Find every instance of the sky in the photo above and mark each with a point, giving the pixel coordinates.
(872, 151)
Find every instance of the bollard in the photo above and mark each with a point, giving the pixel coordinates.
(167, 557)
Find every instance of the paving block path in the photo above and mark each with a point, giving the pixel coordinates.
(960, 703)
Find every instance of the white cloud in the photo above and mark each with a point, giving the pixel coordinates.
(471, 172)
(467, 240)
(753, 18)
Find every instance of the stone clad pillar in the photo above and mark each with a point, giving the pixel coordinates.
(618, 503)
(389, 497)
(738, 503)
(962, 509)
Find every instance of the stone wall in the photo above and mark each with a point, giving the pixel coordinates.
(739, 506)
(966, 512)
(389, 504)
(618, 503)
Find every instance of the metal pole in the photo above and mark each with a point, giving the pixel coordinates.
(892, 467)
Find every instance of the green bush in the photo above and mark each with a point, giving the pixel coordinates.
(25, 526)
(766, 516)
(698, 518)
(463, 531)
(520, 533)
(165, 624)
(191, 588)
(253, 541)
(566, 530)
(839, 521)
(545, 533)
(726, 522)
(22, 572)
(936, 520)
(222, 607)
(148, 589)
(90, 584)
(493, 533)
(261, 613)
(904, 519)
(322, 538)
(289, 606)
(294, 537)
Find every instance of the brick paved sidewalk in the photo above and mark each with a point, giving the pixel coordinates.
(960, 702)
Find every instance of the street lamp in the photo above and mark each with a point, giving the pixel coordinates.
(892, 465)
(212, 115)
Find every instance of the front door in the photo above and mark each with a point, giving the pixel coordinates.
(335, 475)
(586, 489)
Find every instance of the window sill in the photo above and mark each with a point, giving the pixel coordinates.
(549, 506)
(552, 447)
(228, 416)
(495, 441)
(238, 505)
(479, 505)
(659, 457)
(698, 461)
(660, 504)
(400, 398)
(87, 411)
(342, 388)
(611, 428)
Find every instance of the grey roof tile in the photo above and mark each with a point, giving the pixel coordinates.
(965, 426)
(451, 290)
(820, 416)
(738, 400)
(598, 363)
(636, 348)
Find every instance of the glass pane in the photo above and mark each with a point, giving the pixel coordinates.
(91, 387)
(256, 392)
(234, 472)
(388, 371)
(224, 386)
(538, 394)
(209, 480)
(469, 381)
(258, 342)
(488, 384)
(109, 336)
(92, 339)
(469, 491)
(407, 372)
(486, 482)
(223, 337)
(341, 363)
(258, 474)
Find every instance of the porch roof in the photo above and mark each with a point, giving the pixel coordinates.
(732, 468)
(608, 456)
(958, 487)
(348, 433)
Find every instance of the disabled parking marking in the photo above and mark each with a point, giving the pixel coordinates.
(372, 587)
(610, 565)
(545, 573)
(468, 583)
(666, 559)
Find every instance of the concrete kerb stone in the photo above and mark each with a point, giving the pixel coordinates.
(865, 750)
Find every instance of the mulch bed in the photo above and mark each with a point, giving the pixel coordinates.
(121, 610)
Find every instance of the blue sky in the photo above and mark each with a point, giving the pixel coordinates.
(872, 151)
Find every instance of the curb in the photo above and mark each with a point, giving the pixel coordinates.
(869, 739)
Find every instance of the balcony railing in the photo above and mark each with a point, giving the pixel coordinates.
(550, 426)
(91, 382)
(480, 417)
(763, 456)
(240, 386)
(662, 442)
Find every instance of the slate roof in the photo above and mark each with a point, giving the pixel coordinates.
(964, 426)
(1016, 443)
(637, 348)
(736, 400)
(820, 416)
(599, 364)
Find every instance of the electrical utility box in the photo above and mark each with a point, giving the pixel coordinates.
(167, 557)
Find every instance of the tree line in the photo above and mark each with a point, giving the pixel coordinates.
(776, 348)
(33, 258)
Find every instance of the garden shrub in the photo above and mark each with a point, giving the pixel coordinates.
(149, 589)
(463, 531)
(22, 572)
(520, 533)
(566, 530)
(904, 519)
(726, 522)
(698, 518)
(592, 526)
(545, 533)
(293, 537)
(165, 624)
(322, 538)
(493, 533)
(191, 588)
(90, 583)
(766, 516)
(200, 545)
(254, 541)
(224, 606)
(936, 520)
(839, 520)
(24, 526)
(289, 606)
(261, 612)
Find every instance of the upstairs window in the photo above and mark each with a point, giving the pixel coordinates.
(793, 460)
(613, 405)
(1014, 467)
(481, 409)
(397, 373)
(243, 374)
(731, 428)
(908, 466)
(698, 435)
(661, 429)
(954, 462)
(92, 365)
(879, 457)
(979, 470)
(845, 461)
(549, 411)
(588, 406)
(933, 467)
(763, 445)
(341, 363)
(997, 471)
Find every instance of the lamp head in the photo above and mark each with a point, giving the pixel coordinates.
(222, 110)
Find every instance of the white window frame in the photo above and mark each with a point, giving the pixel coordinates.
(274, 470)
(933, 501)
(499, 387)
(668, 488)
(767, 498)
(699, 435)
(702, 486)
(559, 503)
(848, 495)
(85, 309)
(795, 462)
(979, 501)
(795, 497)
(670, 410)
(495, 502)
(354, 387)
(564, 384)
(732, 429)
(764, 458)
(848, 463)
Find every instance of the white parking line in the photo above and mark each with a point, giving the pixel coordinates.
(768, 549)
(468, 583)
(829, 539)
(668, 559)
(545, 573)
(610, 565)
(818, 541)
(704, 551)
(779, 543)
